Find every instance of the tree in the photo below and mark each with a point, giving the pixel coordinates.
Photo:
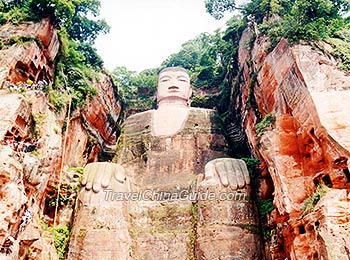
(298, 19)
(204, 57)
(316, 19)
(146, 82)
(124, 77)
(190, 53)
(82, 27)
(91, 57)
(217, 8)
(138, 88)
(76, 16)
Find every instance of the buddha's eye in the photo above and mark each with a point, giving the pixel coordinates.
(182, 79)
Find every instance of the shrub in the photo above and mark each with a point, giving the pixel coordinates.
(58, 99)
(251, 163)
(205, 101)
(268, 121)
(264, 207)
(341, 51)
(310, 202)
(61, 236)
(67, 195)
(78, 170)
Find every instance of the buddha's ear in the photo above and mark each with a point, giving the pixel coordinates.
(189, 97)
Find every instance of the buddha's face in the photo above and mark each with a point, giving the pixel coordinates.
(173, 84)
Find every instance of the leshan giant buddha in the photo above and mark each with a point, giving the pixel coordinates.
(162, 154)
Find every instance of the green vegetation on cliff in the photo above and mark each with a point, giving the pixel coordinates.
(296, 20)
(204, 57)
(310, 202)
(78, 61)
(268, 121)
(61, 236)
(138, 89)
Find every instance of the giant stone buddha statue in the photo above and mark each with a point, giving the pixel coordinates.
(172, 192)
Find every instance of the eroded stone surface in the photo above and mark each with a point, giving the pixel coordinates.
(15, 116)
(305, 146)
(101, 115)
(31, 137)
(20, 62)
(330, 91)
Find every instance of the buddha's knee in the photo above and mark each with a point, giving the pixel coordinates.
(227, 226)
(101, 223)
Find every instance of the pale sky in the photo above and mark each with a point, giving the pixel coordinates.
(145, 32)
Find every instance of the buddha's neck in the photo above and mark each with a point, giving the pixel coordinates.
(170, 117)
(172, 102)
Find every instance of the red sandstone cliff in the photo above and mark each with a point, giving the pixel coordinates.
(305, 144)
(32, 141)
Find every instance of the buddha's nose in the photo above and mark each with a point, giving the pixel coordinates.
(173, 84)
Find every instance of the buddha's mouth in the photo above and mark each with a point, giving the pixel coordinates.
(173, 88)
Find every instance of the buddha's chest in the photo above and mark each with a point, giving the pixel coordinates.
(171, 160)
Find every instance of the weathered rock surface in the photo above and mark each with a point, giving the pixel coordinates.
(26, 174)
(28, 60)
(102, 114)
(34, 156)
(330, 91)
(306, 145)
(92, 130)
(15, 115)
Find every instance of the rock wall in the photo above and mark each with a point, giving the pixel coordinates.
(93, 129)
(38, 145)
(26, 174)
(29, 52)
(305, 144)
(102, 115)
(329, 88)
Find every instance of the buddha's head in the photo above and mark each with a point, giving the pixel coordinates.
(173, 86)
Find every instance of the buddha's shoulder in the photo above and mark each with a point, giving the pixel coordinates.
(140, 115)
(203, 114)
(206, 119)
(203, 111)
(138, 122)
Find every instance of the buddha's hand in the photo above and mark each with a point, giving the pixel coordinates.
(102, 175)
(225, 172)
(99, 177)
